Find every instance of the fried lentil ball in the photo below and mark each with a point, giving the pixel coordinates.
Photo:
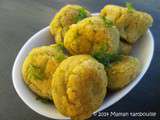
(124, 48)
(131, 24)
(68, 15)
(79, 86)
(90, 35)
(39, 66)
(121, 73)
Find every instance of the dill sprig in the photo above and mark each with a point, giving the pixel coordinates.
(43, 100)
(35, 72)
(107, 22)
(82, 14)
(59, 54)
(105, 58)
(129, 7)
(60, 57)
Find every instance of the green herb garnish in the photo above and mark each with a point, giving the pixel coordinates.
(129, 7)
(82, 14)
(59, 54)
(59, 57)
(44, 100)
(107, 22)
(35, 72)
(105, 58)
(61, 44)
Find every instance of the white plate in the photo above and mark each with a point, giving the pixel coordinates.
(143, 50)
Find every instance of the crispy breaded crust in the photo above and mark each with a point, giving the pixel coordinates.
(132, 25)
(79, 86)
(121, 73)
(64, 18)
(39, 67)
(90, 35)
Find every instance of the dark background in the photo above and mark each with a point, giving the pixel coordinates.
(20, 19)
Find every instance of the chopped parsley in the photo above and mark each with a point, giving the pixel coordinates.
(129, 7)
(107, 22)
(82, 14)
(35, 72)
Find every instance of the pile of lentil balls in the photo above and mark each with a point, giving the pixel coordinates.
(90, 57)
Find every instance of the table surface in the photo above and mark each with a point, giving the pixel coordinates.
(20, 19)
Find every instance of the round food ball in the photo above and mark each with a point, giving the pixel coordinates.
(121, 73)
(132, 24)
(79, 86)
(39, 66)
(68, 15)
(124, 48)
(91, 35)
